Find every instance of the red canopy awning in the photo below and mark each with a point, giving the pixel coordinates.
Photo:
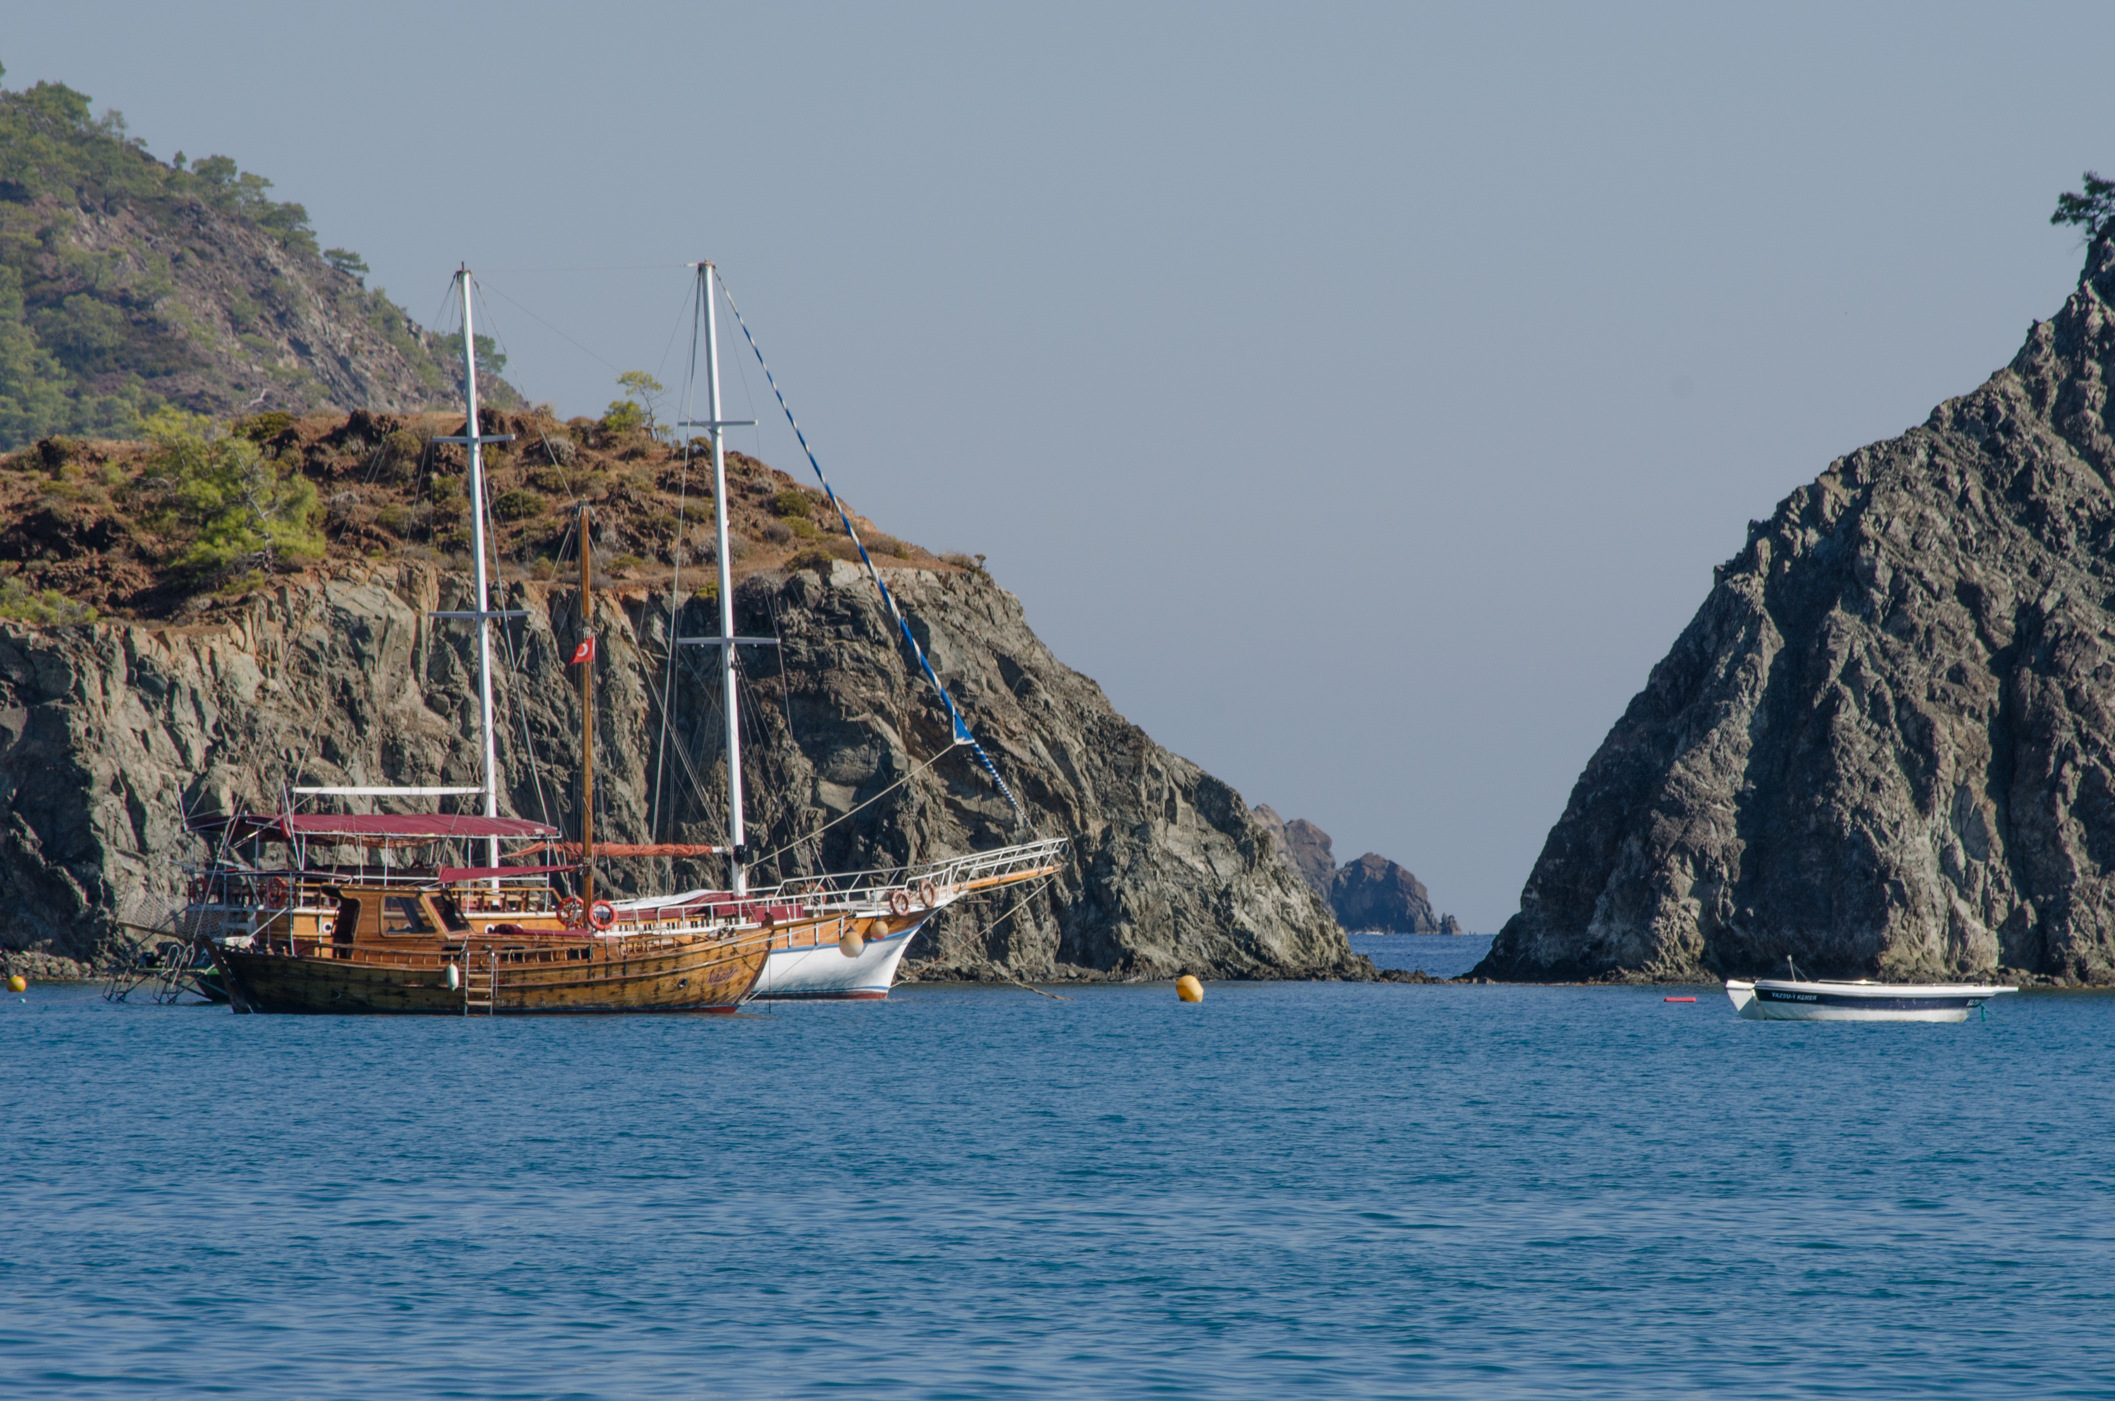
(374, 827)
(449, 875)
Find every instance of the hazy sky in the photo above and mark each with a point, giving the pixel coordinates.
(1361, 394)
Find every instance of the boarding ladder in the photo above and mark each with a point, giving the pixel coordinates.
(480, 984)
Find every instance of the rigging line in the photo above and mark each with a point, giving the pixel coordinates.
(674, 327)
(765, 751)
(756, 423)
(499, 292)
(308, 746)
(962, 733)
(675, 577)
(447, 297)
(985, 959)
(605, 267)
(697, 783)
(811, 836)
(785, 677)
(528, 745)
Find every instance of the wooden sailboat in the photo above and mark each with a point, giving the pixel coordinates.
(301, 934)
(407, 934)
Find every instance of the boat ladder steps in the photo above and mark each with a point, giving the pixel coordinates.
(480, 986)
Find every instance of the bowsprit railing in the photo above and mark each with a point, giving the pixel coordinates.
(933, 882)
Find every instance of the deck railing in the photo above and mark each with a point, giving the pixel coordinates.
(954, 875)
(234, 895)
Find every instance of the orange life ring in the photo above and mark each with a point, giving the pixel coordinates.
(900, 902)
(570, 910)
(277, 893)
(603, 915)
(927, 896)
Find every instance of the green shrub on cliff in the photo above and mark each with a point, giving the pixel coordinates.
(520, 504)
(46, 608)
(2092, 211)
(238, 508)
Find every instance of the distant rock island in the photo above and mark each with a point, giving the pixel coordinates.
(1885, 745)
(1371, 893)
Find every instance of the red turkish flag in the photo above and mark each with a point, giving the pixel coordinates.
(585, 652)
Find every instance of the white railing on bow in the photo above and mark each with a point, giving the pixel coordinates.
(947, 878)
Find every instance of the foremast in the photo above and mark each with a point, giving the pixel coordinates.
(473, 440)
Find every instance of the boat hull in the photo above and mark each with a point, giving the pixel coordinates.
(821, 970)
(700, 973)
(1772, 1000)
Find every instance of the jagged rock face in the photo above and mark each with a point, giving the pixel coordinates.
(1375, 893)
(1306, 846)
(1884, 746)
(110, 733)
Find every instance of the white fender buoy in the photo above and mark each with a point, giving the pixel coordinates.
(851, 945)
(454, 977)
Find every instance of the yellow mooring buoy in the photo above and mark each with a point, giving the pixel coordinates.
(17, 983)
(1189, 989)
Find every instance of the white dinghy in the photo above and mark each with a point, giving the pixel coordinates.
(1831, 1000)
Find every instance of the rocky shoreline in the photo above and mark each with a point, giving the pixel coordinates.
(110, 732)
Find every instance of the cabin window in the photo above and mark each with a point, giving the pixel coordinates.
(406, 916)
(451, 914)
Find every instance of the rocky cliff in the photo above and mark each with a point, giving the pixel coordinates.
(111, 732)
(1885, 745)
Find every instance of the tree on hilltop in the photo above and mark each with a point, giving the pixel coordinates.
(2093, 211)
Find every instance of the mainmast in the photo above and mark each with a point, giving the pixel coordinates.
(738, 876)
(713, 423)
(585, 656)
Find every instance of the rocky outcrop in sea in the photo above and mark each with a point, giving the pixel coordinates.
(1885, 745)
(1371, 894)
(110, 733)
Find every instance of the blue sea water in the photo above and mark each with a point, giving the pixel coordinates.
(1288, 1190)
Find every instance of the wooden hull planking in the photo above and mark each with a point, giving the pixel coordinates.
(651, 973)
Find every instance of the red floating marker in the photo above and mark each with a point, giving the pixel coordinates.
(1677, 999)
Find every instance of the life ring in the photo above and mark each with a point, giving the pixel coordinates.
(603, 915)
(927, 896)
(276, 893)
(570, 910)
(900, 902)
